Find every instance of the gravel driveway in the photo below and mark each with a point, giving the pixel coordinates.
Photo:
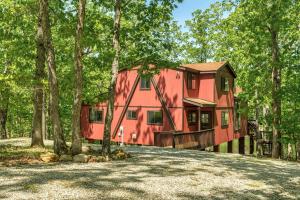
(155, 173)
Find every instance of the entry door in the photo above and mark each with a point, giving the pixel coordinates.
(206, 120)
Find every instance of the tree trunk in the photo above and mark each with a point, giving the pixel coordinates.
(3, 119)
(37, 123)
(76, 134)
(114, 75)
(60, 146)
(44, 120)
(298, 150)
(276, 99)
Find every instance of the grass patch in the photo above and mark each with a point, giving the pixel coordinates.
(31, 188)
(12, 155)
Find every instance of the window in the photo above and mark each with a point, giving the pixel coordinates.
(204, 118)
(224, 118)
(131, 114)
(95, 116)
(224, 84)
(155, 117)
(145, 83)
(191, 80)
(192, 117)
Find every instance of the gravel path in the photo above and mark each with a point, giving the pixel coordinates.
(154, 173)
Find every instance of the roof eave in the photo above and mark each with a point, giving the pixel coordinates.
(198, 104)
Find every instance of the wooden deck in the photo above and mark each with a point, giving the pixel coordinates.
(185, 140)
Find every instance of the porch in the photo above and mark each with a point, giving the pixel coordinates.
(198, 127)
(198, 114)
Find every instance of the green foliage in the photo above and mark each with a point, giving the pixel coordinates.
(239, 31)
(146, 37)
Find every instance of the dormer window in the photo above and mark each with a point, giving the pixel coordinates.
(224, 84)
(191, 80)
(145, 83)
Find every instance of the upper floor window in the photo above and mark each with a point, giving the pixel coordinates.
(224, 84)
(224, 118)
(145, 83)
(95, 115)
(131, 114)
(191, 80)
(192, 117)
(155, 117)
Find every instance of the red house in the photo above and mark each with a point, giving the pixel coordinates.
(189, 106)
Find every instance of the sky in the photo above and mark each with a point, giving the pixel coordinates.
(185, 10)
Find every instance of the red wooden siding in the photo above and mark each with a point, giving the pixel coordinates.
(172, 86)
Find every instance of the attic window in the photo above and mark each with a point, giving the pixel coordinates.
(145, 83)
(191, 80)
(224, 84)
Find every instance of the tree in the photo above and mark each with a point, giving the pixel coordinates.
(37, 122)
(60, 146)
(16, 53)
(114, 75)
(76, 137)
(3, 119)
(4, 102)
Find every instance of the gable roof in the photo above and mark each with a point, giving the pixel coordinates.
(209, 67)
(212, 67)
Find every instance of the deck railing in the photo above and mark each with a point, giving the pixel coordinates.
(185, 140)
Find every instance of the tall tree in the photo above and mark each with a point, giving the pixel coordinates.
(3, 119)
(76, 137)
(276, 79)
(37, 122)
(114, 75)
(4, 102)
(60, 146)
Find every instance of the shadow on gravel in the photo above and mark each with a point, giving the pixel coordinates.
(149, 162)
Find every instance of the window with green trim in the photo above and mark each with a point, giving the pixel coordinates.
(155, 117)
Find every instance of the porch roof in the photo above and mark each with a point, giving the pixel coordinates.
(199, 102)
